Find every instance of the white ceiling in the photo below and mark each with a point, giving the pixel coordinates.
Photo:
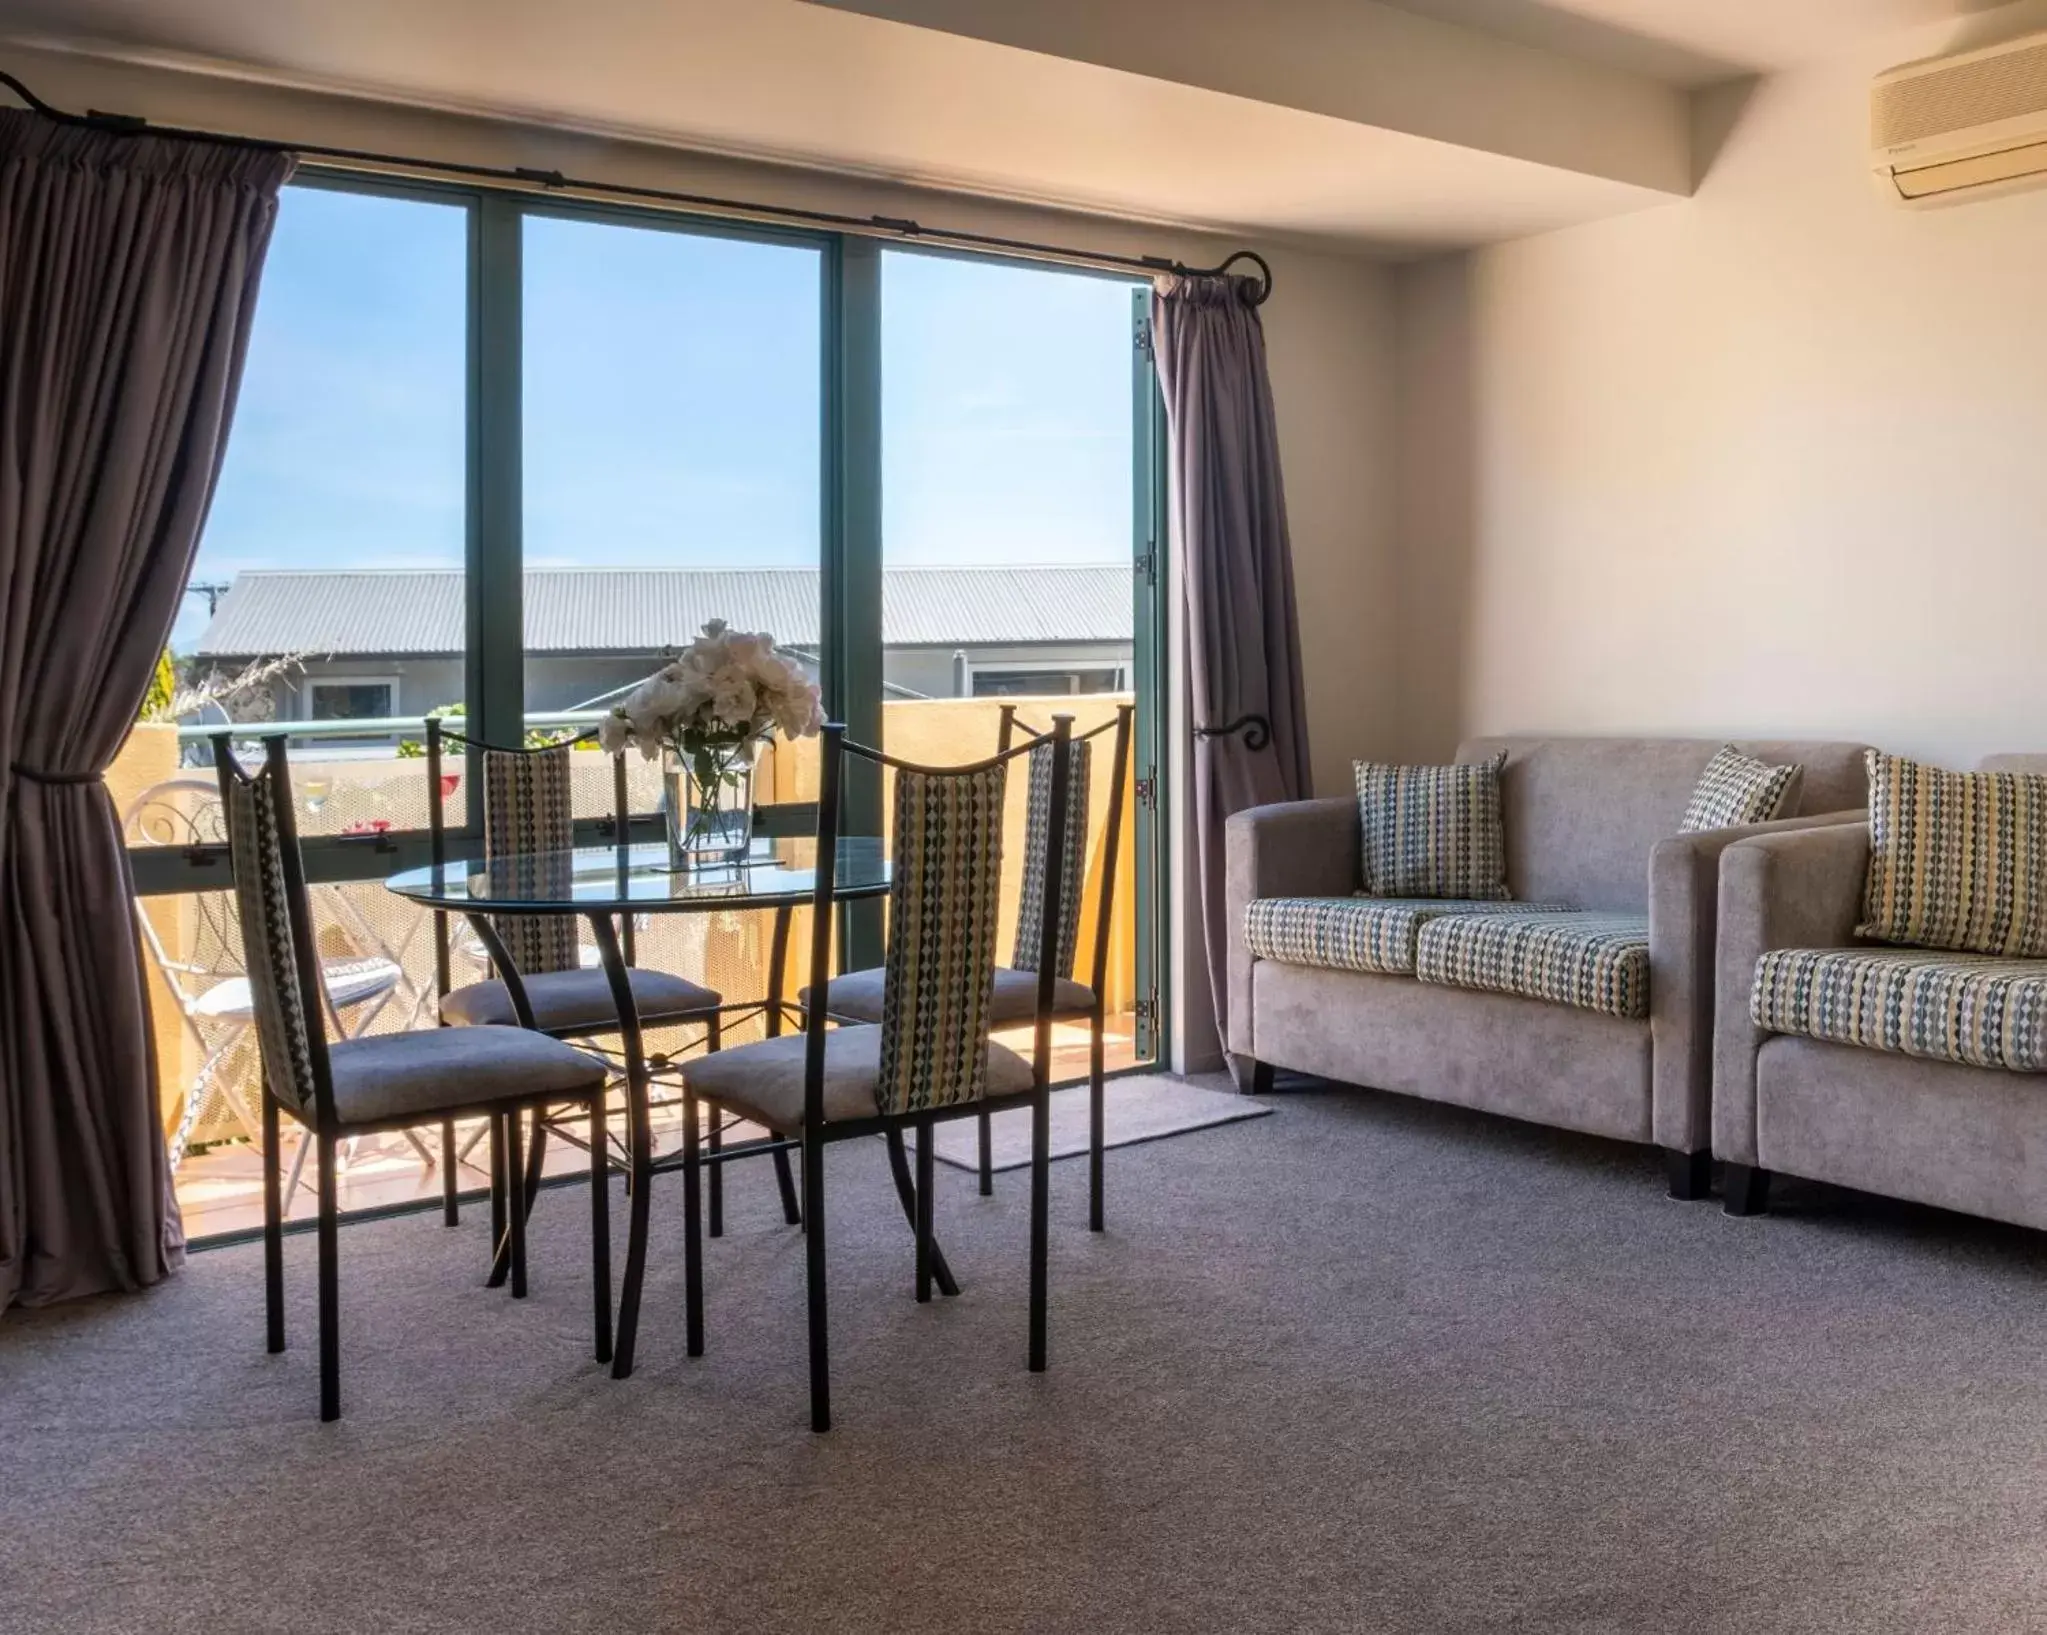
(1157, 141)
(790, 82)
(1695, 42)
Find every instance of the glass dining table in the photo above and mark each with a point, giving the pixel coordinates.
(602, 885)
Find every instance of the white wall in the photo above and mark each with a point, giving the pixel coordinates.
(1773, 460)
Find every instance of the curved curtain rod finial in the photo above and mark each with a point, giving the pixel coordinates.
(1257, 731)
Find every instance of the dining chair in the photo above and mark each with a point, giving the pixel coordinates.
(859, 996)
(529, 809)
(930, 1057)
(382, 1082)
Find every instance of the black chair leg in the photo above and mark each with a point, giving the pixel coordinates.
(925, 1190)
(714, 1039)
(785, 1181)
(273, 1225)
(1096, 1075)
(986, 1147)
(1690, 1174)
(714, 1183)
(515, 1214)
(814, 1280)
(692, 1223)
(1748, 1189)
(451, 1203)
(1041, 1203)
(899, 1167)
(536, 1159)
(600, 1225)
(330, 1283)
(500, 1257)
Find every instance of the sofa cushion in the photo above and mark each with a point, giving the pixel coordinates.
(1432, 831)
(1737, 789)
(1957, 860)
(1597, 962)
(1973, 1009)
(1353, 933)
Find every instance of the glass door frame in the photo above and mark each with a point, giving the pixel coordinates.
(850, 541)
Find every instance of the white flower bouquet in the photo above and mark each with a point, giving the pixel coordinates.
(708, 709)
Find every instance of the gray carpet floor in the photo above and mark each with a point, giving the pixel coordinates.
(1365, 1365)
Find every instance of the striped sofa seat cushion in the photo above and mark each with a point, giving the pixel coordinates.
(1975, 1009)
(1360, 933)
(1595, 962)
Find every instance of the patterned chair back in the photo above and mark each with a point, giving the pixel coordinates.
(1030, 919)
(276, 924)
(528, 813)
(945, 894)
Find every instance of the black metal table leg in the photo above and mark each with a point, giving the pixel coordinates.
(640, 1142)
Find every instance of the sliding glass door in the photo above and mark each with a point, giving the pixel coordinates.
(497, 455)
(1017, 470)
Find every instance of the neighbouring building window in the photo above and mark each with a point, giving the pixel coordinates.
(353, 700)
(1026, 683)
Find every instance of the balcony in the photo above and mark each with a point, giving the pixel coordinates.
(358, 778)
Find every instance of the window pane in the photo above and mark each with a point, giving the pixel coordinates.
(328, 585)
(673, 405)
(1007, 448)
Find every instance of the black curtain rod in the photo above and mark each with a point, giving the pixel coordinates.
(1255, 292)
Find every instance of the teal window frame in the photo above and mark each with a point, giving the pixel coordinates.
(849, 533)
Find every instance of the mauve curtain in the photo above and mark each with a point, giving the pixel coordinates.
(1229, 518)
(128, 274)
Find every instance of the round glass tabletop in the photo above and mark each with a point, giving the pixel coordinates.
(595, 878)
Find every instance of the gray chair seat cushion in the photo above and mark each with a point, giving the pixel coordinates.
(404, 1075)
(764, 1081)
(565, 1000)
(856, 996)
(1597, 962)
(1973, 1009)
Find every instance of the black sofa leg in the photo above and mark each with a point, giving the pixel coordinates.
(1261, 1078)
(1691, 1174)
(1748, 1190)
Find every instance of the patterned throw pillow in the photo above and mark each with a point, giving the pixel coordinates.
(1433, 831)
(1956, 859)
(1736, 789)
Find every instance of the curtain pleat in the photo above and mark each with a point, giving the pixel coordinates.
(129, 268)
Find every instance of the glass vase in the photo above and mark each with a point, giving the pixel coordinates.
(710, 819)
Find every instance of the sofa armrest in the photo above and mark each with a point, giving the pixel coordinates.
(1797, 890)
(1684, 893)
(1305, 848)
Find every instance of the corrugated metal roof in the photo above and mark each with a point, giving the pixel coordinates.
(643, 610)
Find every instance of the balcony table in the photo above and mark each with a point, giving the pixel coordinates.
(601, 883)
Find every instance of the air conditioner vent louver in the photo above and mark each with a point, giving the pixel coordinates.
(1978, 90)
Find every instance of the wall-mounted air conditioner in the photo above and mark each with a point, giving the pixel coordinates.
(1961, 127)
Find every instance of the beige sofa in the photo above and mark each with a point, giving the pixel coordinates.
(1590, 826)
(1942, 1132)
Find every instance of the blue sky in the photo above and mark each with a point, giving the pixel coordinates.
(671, 402)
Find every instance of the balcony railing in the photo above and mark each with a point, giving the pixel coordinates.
(351, 780)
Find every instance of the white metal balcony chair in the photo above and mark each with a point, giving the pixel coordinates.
(930, 1057)
(203, 969)
(360, 1086)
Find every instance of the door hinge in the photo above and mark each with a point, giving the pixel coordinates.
(1143, 341)
(1148, 789)
(1146, 1009)
(1148, 565)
